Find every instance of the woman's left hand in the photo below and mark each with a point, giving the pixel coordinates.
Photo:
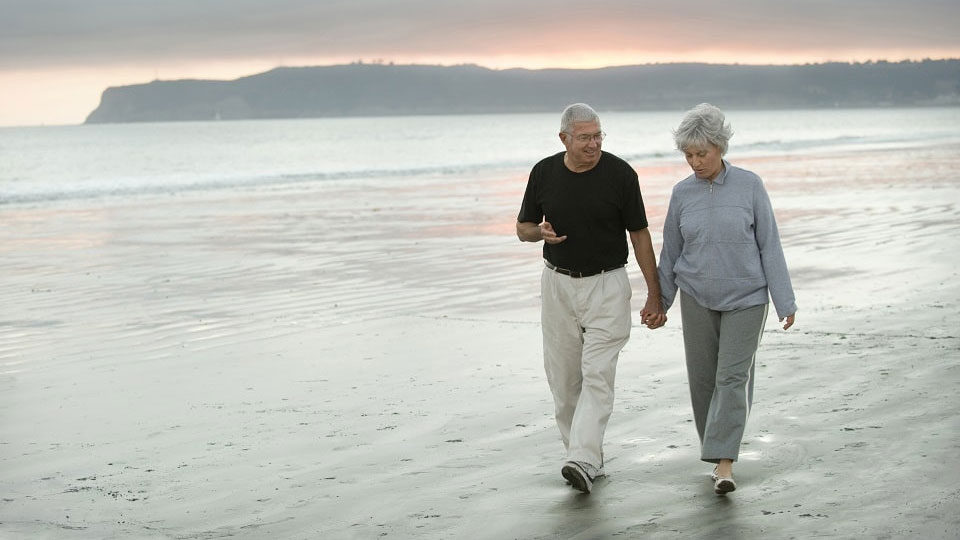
(790, 318)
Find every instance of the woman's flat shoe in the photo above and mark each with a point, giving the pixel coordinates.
(724, 486)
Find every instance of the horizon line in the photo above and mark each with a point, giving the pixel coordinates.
(390, 63)
(384, 62)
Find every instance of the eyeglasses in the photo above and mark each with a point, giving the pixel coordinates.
(596, 137)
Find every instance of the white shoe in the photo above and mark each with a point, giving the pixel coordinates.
(577, 475)
(722, 486)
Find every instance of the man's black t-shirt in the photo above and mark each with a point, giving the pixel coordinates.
(592, 208)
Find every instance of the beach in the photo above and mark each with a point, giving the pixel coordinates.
(361, 358)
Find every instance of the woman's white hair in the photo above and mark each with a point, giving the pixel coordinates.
(578, 112)
(702, 125)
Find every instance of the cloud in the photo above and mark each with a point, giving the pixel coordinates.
(56, 33)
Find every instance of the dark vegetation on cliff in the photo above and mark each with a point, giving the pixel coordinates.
(381, 89)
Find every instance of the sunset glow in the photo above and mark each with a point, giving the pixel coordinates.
(57, 62)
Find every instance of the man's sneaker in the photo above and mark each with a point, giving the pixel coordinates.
(577, 475)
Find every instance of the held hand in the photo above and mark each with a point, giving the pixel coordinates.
(652, 314)
(549, 235)
(790, 318)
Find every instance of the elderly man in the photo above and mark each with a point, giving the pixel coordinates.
(580, 202)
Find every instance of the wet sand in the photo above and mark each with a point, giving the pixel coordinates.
(362, 360)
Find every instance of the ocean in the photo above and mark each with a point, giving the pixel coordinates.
(56, 163)
(329, 329)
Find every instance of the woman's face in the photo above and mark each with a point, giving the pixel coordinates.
(705, 161)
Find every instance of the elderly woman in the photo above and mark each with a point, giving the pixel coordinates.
(721, 251)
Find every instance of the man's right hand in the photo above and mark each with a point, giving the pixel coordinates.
(549, 235)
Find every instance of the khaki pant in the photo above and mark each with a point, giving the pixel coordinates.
(586, 322)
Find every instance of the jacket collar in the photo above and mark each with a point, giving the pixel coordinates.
(720, 177)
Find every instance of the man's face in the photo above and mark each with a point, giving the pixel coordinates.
(583, 144)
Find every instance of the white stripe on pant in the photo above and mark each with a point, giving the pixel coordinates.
(586, 322)
(721, 349)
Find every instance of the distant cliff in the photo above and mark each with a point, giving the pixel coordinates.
(377, 89)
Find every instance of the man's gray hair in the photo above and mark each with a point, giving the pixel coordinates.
(578, 112)
(701, 125)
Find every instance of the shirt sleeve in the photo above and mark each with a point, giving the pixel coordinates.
(771, 254)
(634, 214)
(530, 209)
(669, 253)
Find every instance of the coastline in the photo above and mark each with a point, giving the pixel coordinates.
(335, 360)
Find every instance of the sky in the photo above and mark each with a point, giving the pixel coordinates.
(57, 56)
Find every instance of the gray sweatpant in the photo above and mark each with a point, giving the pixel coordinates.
(721, 347)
